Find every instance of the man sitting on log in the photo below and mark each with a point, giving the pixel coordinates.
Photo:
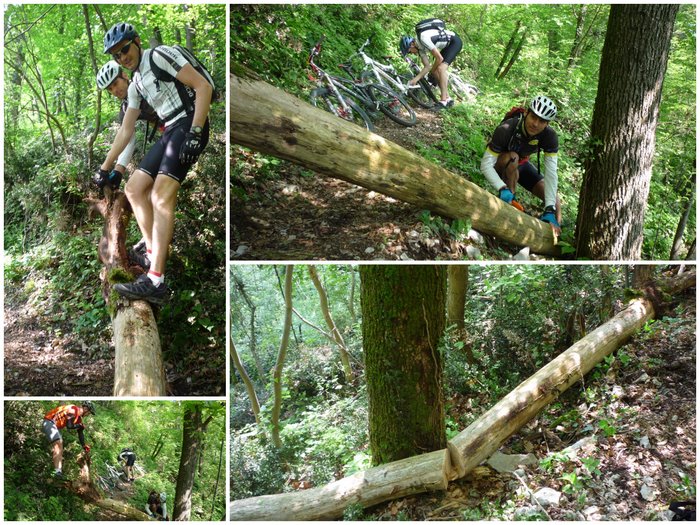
(506, 160)
(65, 416)
(152, 188)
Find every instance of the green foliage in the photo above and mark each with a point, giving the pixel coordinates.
(354, 512)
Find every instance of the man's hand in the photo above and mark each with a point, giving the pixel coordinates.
(506, 195)
(549, 216)
(115, 179)
(86, 448)
(101, 178)
(191, 148)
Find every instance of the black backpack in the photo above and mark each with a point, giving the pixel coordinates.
(187, 94)
(432, 23)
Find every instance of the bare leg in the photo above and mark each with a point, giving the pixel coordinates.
(507, 168)
(57, 454)
(163, 200)
(138, 191)
(441, 73)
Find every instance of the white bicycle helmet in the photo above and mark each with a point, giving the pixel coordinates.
(543, 107)
(107, 74)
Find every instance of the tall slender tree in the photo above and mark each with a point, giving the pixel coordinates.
(403, 317)
(623, 133)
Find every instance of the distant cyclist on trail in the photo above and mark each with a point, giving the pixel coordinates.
(128, 457)
(112, 78)
(442, 44)
(65, 416)
(506, 160)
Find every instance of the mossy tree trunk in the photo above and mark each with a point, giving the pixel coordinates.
(138, 362)
(403, 318)
(457, 283)
(281, 356)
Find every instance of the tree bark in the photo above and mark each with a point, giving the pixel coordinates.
(615, 189)
(138, 361)
(457, 283)
(281, 355)
(509, 46)
(273, 122)
(335, 333)
(515, 56)
(403, 318)
(474, 444)
(192, 435)
(250, 388)
(98, 109)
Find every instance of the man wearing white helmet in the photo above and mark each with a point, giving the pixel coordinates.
(112, 78)
(506, 160)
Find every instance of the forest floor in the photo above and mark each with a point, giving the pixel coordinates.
(303, 215)
(646, 457)
(42, 356)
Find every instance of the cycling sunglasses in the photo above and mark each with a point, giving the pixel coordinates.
(123, 51)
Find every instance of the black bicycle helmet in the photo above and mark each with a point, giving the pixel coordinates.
(118, 33)
(90, 406)
(405, 44)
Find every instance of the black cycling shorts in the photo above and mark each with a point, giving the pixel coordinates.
(452, 50)
(130, 460)
(529, 176)
(164, 156)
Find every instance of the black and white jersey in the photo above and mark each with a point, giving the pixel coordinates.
(161, 96)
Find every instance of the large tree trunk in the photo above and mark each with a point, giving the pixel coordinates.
(403, 317)
(138, 362)
(271, 121)
(192, 435)
(616, 183)
(335, 333)
(474, 444)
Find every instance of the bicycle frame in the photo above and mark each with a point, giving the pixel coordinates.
(324, 79)
(383, 73)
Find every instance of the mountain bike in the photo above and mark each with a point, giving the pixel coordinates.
(386, 75)
(328, 95)
(372, 97)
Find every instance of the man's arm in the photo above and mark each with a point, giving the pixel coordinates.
(438, 58)
(488, 169)
(124, 135)
(551, 180)
(427, 67)
(125, 157)
(189, 76)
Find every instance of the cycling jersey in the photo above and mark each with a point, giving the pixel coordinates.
(148, 115)
(127, 456)
(449, 49)
(163, 97)
(510, 136)
(65, 416)
(434, 39)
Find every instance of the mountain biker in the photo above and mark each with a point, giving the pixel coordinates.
(444, 46)
(156, 507)
(65, 416)
(112, 78)
(128, 457)
(152, 188)
(506, 160)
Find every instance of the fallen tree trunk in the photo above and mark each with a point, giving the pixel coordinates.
(138, 362)
(413, 475)
(271, 121)
(474, 444)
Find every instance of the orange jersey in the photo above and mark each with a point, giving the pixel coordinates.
(60, 415)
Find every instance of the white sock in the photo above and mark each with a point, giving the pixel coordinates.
(156, 278)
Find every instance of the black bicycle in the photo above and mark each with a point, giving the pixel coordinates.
(335, 97)
(372, 97)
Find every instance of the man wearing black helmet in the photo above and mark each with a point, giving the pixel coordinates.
(152, 188)
(112, 78)
(65, 416)
(506, 160)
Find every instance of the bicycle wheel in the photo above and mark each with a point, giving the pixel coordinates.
(325, 99)
(422, 96)
(461, 89)
(392, 105)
